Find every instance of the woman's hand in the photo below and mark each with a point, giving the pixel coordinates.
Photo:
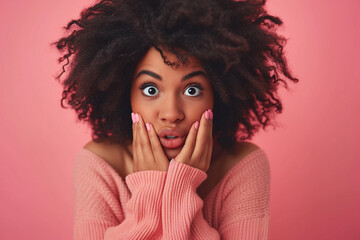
(147, 150)
(198, 145)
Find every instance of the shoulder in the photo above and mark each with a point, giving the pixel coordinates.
(249, 168)
(243, 157)
(246, 188)
(114, 154)
(97, 189)
(248, 159)
(104, 150)
(242, 149)
(237, 153)
(223, 164)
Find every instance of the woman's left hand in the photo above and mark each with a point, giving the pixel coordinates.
(198, 146)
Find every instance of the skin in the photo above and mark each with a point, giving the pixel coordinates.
(171, 108)
(171, 104)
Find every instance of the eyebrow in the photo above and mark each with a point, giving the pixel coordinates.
(156, 76)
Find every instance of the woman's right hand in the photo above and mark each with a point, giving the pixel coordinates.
(147, 150)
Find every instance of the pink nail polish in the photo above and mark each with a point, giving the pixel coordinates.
(137, 117)
(211, 114)
(196, 125)
(207, 115)
(148, 127)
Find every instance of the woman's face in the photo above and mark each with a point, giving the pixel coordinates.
(170, 99)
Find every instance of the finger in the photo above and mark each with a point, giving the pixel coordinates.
(137, 145)
(203, 139)
(209, 145)
(188, 148)
(157, 150)
(210, 139)
(134, 143)
(144, 143)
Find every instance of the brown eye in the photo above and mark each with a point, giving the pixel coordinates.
(149, 90)
(192, 91)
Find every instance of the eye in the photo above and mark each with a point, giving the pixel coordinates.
(193, 90)
(149, 90)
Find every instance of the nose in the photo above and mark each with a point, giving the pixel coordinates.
(171, 110)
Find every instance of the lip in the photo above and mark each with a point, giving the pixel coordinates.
(172, 143)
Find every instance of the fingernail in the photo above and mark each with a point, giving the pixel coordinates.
(137, 117)
(132, 117)
(147, 126)
(211, 114)
(207, 115)
(196, 125)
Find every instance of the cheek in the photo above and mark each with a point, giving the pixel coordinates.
(194, 111)
(142, 107)
(196, 108)
(136, 101)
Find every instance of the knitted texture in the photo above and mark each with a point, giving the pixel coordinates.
(165, 205)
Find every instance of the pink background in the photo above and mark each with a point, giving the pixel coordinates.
(314, 153)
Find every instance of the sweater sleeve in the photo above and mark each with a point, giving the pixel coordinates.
(143, 210)
(97, 204)
(244, 211)
(182, 217)
(246, 200)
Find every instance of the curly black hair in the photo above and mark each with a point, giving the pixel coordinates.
(236, 41)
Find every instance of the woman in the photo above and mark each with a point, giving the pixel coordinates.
(168, 88)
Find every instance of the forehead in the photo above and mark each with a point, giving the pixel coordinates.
(154, 61)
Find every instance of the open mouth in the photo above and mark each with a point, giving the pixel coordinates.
(169, 141)
(170, 137)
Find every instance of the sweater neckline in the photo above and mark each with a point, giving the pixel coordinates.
(235, 168)
(229, 173)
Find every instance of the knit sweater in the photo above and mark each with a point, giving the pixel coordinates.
(164, 204)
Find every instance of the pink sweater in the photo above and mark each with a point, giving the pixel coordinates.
(165, 205)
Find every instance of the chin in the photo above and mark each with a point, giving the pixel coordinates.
(172, 153)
